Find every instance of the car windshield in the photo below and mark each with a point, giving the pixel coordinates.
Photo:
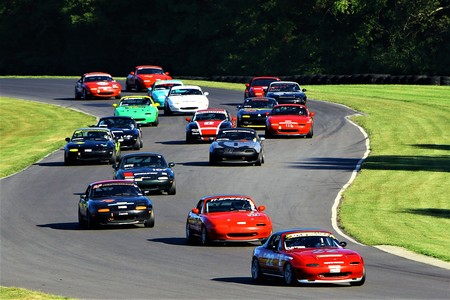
(141, 161)
(262, 82)
(117, 123)
(114, 190)
(149, 71)
(209, 116)
(289, 110)
(166, 86)
(284, 87)
(259, 104)
(135, 102)
(97, 78)
(236, 135)
(93, 135)
(183, 92)
(229, 204)
(309, 240)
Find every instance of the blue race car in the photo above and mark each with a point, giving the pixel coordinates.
(160, 89)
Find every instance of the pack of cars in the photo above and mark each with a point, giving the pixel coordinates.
(298, 255)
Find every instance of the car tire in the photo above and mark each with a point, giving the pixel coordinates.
(189, 234)
(91, 223)
(212, 161)
(137, 145)
(84, 95)
(118, 96)
(310, 133)
(113, 159)
(167, 111)
(81, 222)
(68, 161)
(204, 238)
(267, 134)
(127, 87)
(138, 86)
(150, 223)
(188, 138)
(288, 274)
(156, 123)
(361, 282)
(259, 160)
(257, 274)
(77, 95)
(173, 189)
(141, 143)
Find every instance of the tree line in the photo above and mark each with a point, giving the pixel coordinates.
(229, 37)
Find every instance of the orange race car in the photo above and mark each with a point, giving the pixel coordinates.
(97, 85)
(290, 120)
(144, 77)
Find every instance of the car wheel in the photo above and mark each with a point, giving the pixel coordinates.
(68, 161)
(189, 234)
(257, 274)
(81, 222)
(141, 143)
(267, 134)
(188, 138)
(84, 95)
(150, 223)
(137, 145)
(167, 110)
(288, 274)
(212, 161)
(138, 86)
(91, 223)
(118, 96)
(77, 95)
(127, 87)
(361, 282)
(310, 133)
(173, 189)
(204, 236)
(112, 160)
(156, 123)
(259, 160)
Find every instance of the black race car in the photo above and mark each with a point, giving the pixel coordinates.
(92, 144)
(237, 145)
(114, 202)
(123, 127)
(253, 112)
(285, 92)
(148, 170)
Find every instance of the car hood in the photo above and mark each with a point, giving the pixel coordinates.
(88, 144)
(122, 131)
(96, 84)
(153, 77)
(249, 218)
(254, 111)
(325, 254)
(285, 94)
(125, 200)
(147, 171)
(292, 118)
(234, 144)
(209, 124)
(188, 98)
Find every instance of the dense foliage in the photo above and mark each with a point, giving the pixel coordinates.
(233, 37)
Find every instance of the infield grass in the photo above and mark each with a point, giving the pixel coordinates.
(400, 197)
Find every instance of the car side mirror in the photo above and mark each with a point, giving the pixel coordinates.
(171, 164)
(195, 211)
(167, 73)
(115, 104)
(262, 139)
(303, 90)
(149, 89)
(261, 208)
(206, 93)
(239, 106)
(83, 197)
(114, 166)
(67, 139)
(312, 114)
(188, 119)
(131, 73)
(343, 244)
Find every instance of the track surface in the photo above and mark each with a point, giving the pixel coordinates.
(42, 247)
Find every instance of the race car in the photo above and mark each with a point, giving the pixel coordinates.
(228, 218)
(205, 124)
(253, 112)
(92, 144)
(286, 92)
(257, 86)
(185, 99)
(160, 89)
(148, 170)
(141, 108)
(307, 256)
(114, 202)
(290, 120)
(97, 85)
(237, 145)
(125, 128)
(143, 77)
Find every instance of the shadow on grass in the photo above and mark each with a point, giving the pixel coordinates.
(432, 212)
(385, 162)
(432, 146)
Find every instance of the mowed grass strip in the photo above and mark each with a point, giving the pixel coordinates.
(31, 130)
(24, 294)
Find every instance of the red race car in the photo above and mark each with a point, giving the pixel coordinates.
(307, 256)
(145, 76)
(205, 124)
(232, 218)
(97, 85)
(290, 120)
(257, 86)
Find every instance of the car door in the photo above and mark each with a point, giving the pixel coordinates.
(195, 220)
(270, 257)
(83, 203)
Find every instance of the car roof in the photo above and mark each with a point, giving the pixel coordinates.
(96, 74)
(168, 81)
(259, 99)
(117, 117)
(93, 129)
(109, 181)
(186, 87)
(226, 196)
(211, 110)
(292, 230)
(134, 97)
(239, 129)
(266, 77)
(290, 104)
(142, 154)
(148, 66)
(284, 82)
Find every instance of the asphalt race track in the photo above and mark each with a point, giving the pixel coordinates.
(42, 247)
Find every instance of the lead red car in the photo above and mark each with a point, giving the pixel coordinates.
(143, 77)
(228, 218)
(257, 86)
(290, 120)
(307, 256)
(97, 85)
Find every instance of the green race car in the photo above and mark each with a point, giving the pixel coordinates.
(141, 108)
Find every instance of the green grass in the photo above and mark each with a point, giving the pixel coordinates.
(31, 130)
(400, 197)
(23, 294)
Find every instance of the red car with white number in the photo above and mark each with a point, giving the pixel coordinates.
(97, 85)
(143, 77)
(205, 124)
(257, 86)
(290, 120)
(228, 218)
(307, 256)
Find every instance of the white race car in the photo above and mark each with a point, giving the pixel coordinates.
(185, 99)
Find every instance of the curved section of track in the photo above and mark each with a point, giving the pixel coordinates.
(42, 247)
